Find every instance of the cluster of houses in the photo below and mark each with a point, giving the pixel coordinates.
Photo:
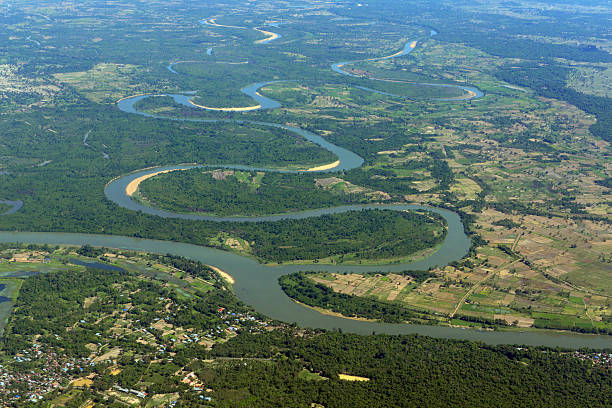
(139, 394)
(30, 257)
(32, 385)
(598, 359)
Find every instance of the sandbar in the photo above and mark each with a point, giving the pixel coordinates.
(212, 22)
(131, 188)
(325, 166)
(226, 276)
(243, 109)
(270, 34)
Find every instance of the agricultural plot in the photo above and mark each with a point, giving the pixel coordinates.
(106, 82)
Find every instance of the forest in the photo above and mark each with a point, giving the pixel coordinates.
(241, 193)
(355, 235)
(406, 371)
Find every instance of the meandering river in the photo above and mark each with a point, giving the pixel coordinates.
(257, 284)
(14, 206)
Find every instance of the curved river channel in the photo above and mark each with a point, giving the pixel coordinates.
(257, 284)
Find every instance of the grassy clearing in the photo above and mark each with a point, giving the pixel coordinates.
(310, 376)
(593, 80)
(105, 82)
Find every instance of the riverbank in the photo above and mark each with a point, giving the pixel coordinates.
(131, 188)
(226, 276)
(213, 22)
(416, 256)
(325, 166)
(231, 109)
(332, 313)
(270, 36)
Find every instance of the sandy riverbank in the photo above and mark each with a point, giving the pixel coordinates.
(397, 54)
(212, 22)
(325, 166)
(131, 188)
(243, 109)
(226, 276)
(270, 34)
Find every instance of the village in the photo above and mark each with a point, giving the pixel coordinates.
(145, 326)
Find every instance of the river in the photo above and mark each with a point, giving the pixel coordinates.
(471, 92)
(14, 206)
(257, 284)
